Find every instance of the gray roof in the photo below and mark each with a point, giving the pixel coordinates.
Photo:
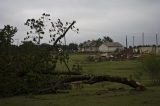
(113, 44)
(90, 43)
(93, 43)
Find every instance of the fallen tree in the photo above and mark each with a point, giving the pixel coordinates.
(91, 79)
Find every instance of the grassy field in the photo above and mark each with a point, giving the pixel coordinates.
(126, 98)
(100, 94)
(117, 68)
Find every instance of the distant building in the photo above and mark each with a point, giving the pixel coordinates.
(110, 47)
(95, 46)
(148, 49)
(89, 46)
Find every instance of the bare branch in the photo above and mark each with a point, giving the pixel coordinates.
(63, 35)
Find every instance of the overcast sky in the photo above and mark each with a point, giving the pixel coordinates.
(95, 18)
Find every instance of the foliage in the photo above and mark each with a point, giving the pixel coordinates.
(77, 68)
(73, 47)
(27, 68)
(89, 96)
(99, 41)
(56, 30)
(6, 35)
(44, 25)
(107, 39)
(37, 27)
(152, 66)
(23, 71)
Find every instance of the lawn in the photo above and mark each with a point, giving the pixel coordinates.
(125, 68)
(100, 94)
(149, 97)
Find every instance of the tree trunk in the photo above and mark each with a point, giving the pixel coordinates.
(91, 79)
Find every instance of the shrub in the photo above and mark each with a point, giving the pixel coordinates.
(151, 65)
(24, 72)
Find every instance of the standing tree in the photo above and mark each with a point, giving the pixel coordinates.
(56, 31)
(73, 47)
(107, 39)
(99, 41)
(6, 35)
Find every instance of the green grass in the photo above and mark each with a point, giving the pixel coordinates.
(121, 68)
(123, 98)
(88, 96)
(117, 68)
(74, 58)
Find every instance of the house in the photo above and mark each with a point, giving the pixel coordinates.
(89, 46)
(110, 47)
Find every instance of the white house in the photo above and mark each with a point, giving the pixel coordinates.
(110, 47)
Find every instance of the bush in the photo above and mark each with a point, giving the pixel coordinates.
(152, 66)
(22, 71)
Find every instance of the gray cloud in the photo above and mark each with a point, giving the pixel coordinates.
(95, 18)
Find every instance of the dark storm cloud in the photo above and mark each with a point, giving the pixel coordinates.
(95, 18)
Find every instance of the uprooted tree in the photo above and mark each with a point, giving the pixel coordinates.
(31, 67)
(58, 31)
(91, 79)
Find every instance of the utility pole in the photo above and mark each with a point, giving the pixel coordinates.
(143, 38)
(126, 42)
(156, 43)
(156, 39)
(133, 41)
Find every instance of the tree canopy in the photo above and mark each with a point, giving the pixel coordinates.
(6, 35)
(107, 39)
